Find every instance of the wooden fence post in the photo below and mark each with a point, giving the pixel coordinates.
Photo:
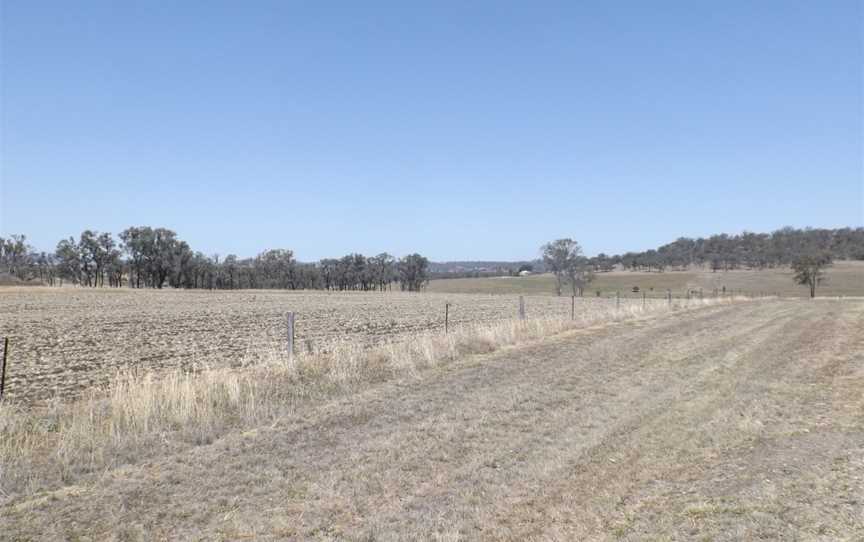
(669, 296)
(617, 300)
(290, 335)
(3, 370)
(521, 308)
(573, 307)
(446, 318)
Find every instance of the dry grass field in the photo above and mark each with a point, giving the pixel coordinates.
(843, 278)
(727, 422)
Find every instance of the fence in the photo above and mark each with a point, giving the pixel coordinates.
(83, 348)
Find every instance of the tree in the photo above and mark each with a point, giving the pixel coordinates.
(90, 254)
(413, 272)
(383, 270)
(231, 269)
(809, 269)
(14, 254)
(328, 268)
(68, 260)
(579, 275)
(276, 268)
(135, 241)
(561, 257)
(160, 255)
(107, 252)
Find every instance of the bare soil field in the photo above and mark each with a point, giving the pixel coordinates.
(843, 278)
(64, 340)
(733, 422)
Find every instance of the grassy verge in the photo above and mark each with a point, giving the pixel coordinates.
(141, 415)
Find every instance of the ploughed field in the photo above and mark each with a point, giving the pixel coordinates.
(64, 340)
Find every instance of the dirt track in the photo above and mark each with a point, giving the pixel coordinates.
(726, 423)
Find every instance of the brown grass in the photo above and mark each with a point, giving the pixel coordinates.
(733, 422)
(138, 410)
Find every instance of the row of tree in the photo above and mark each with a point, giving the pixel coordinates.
(563, 258)
(748, 250)
(148, 257)
(720, 252)
(808, 252)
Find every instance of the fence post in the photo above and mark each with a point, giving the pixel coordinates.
(669, 296)
(617, 300)
(446, 318)
(643, 299)
(521, 308)
(573, 307)
(290, 335)
(3, 370)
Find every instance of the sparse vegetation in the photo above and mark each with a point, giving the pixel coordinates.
(72, 435)
(619, 418)
(809, 270)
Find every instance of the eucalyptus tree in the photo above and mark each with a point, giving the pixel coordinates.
(579, 275)
(136, 242)
(276, 268)
(562, 258)
(809, 269)
(68, 257)
(14, 254)
(413, 272)
(383, 270)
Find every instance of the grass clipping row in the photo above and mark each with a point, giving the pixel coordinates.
(144, 414)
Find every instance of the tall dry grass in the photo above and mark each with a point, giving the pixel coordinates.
(140, 414)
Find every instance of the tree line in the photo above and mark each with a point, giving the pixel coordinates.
(145, 257)
(807, 251)
(725, 252)
(721, 252)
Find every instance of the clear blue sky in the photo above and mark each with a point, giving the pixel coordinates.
(462, 130)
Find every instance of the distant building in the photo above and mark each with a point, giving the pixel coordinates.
(524, 273)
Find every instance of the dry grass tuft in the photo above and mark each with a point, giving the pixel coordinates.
(140, 413)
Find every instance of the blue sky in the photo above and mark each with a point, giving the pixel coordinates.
(462, 130)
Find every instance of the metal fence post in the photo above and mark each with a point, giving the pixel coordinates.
(3, 370)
